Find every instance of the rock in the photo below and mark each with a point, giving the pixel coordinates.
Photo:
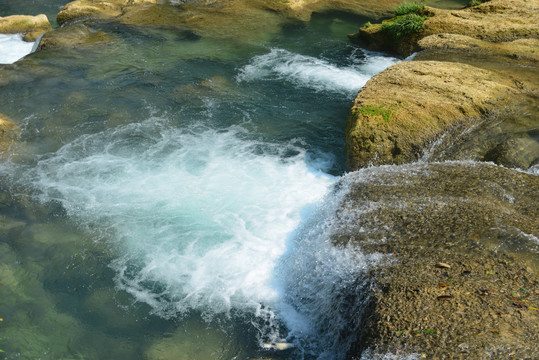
(111, 307)
(493, 21)
(443, 265)
(402, 110)
(72, 36)
(107, 10)
(481, 219)
(302, 9)
(194, 340)
(102, 10)
(521, 51)
(253, 21)
(8, 133)
(464, 109)
(31, 26)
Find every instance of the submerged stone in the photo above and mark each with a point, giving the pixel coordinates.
(73, 36)
(8, 133)
(194, 340)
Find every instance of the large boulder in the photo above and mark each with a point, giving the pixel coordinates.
(493, 21)
(31, 26)
(474, 67)
(460, 280)
(402, 110)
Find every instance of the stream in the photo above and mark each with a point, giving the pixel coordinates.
(169, 195)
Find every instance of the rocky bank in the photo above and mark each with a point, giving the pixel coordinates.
(471, 62)
(463, 236)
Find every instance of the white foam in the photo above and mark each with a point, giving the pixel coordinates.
(315, 73)
(323, 287)
(13, 48)
(198, 218)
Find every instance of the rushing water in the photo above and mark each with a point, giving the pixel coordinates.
(165, 198)
(13, 48)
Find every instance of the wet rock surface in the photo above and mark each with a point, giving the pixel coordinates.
(73, 36)
(8, 133)
(464, 241)
(252, 20)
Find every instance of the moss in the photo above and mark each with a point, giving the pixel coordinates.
(384, 111)
(476, 3)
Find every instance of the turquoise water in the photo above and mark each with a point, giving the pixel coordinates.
(164, 200)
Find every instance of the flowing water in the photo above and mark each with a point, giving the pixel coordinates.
(170, 195)
(13, 48)
(164, 200)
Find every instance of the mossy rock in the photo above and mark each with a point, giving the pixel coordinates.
(494, 21)
(404, 109)
(31, 26)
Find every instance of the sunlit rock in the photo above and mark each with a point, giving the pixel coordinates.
(31, 26)
(402, 110)
(473, 63)
(493, 21)
(95, 9)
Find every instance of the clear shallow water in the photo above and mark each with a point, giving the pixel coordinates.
(169, 189)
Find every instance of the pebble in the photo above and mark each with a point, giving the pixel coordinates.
(443, 265)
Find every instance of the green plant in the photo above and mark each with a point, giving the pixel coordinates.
(367, 24)
(381, 110)
(408, 7)
(475, 3)
(405, 25)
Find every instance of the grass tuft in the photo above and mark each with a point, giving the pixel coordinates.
(405, 25)
(408, 8)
